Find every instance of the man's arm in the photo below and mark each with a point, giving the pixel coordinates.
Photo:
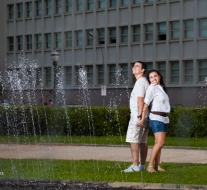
(140, 103)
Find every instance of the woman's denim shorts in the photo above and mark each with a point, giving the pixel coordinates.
(158, 126)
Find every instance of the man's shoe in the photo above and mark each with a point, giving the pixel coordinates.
(132, 168)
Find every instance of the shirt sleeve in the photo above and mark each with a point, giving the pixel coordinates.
(149, 95)
(140, 85)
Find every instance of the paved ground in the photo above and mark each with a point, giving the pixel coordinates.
(111, 153)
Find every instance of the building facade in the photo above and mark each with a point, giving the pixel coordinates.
(106, 37)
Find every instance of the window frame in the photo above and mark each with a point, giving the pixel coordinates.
(48, 40)
(19, 10)
(112, 37)
(69, 6)
(10, 9)
(69, 39)
(202, 28)
(161, 34)
(38, 41)
(187, 30)
(19, 43)
(29, 9)
(123, 35)
(29, 42)
(136, 34)
(148, 32)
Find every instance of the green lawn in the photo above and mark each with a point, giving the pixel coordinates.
(105, 140)
(94, 170)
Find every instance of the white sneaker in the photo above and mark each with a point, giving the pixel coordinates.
(132, 168)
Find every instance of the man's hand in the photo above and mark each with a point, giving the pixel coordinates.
(140, 122)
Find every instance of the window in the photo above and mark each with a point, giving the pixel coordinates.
(188, 76)
(101, 36)
(79, 5)
(48, 7)
(124, 74)
(29, 9)
(38, 8)
(38, 41)
(124, 34)
(149, 32)
(136, 33)
(68, 76)
(89, 70)
(137, 2)
(149, 66)
(161, 0)
(174, 72)
(47, 76)
(189, 29)
(101, 4)
(69, 7)
(161, 31)
(10, 11)
(100, 74)
(89, 37)
(149, 1)
(48, 40)
(19, 43)
(58, 6)
(175, 30)
(79, 79)
(29, 42)
(112, 35)
(58, 40)
(203, 27)
(124, 2)
(112, 74)
(161, 66)
(10, 43)
(68, 36)
(90, 5)
(112, 3)
(20, 10)
(38, 77)
(202, 70)
(79, 38)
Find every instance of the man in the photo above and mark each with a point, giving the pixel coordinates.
(137, 135)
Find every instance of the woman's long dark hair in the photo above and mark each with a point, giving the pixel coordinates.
(161, 79)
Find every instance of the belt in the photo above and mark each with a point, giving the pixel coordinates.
(160, 113)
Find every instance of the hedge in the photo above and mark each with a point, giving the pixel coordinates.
(96, 121)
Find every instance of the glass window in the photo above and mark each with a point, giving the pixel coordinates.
(69, 6)
(188, 76)
(89, 70)
(38, 8)
(10, 43)
(161, 66)
(175, 30)
(161, 31)
(48, 38)
(203, 27)
(29, 42)
(20, 10)
(149, 32)
(79, 38)
(38, 77)
(124, 34)
(112, 3)
(137, 2)
(136, 33)
(175, 72)
(189, 33)
(124, 2)
(39, 41)
(10, 11)
(78, 78)
(124, 74)
(149, 66)
(79, 5)
(58, 6)
(100, 74)
(68, 39)
(48, 7)
(112, 74)
(101, 4)
(58, 40)
(29, 9)
(68, 76)
(149, 1)
(90, 5)
(112, 35)
(19, 43)
(89, 37)
(101, 36)
(48, 76)
(202, 70)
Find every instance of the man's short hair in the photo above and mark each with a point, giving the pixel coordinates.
(144, 65)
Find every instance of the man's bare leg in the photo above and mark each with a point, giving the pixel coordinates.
(135, 153)
(143, 153)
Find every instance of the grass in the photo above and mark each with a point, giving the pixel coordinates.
(199, 143)
(93, 170)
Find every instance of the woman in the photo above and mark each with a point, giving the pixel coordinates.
(157, 98)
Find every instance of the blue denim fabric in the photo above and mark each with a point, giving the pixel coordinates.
(158, 126)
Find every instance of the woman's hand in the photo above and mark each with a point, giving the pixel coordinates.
(140, 122)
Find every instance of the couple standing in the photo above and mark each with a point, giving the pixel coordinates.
(147, 93)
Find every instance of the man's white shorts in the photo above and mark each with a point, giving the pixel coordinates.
(136, 134)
